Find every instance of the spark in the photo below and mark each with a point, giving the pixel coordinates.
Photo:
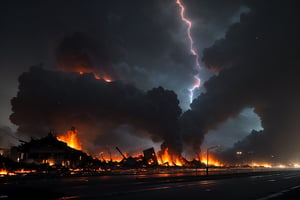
(192, 50)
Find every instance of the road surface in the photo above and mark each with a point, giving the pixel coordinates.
(278, 184)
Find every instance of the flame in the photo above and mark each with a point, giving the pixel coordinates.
(281, 166)
(98, 77)
(23, 171)
(71, 139)
(296, 165)
(49, 162)
(255, 164)
(113, 158)
(166, 158)
(211, 161)
(3, 172)
(178, 162)
(107, 80)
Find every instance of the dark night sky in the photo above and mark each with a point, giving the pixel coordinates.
(246, 62)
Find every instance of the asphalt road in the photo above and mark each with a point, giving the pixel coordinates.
(281, 184)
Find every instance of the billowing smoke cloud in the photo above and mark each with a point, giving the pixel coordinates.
(78, 52)
(145, 42)
(57, 100)
(7, 137)
(257, 66)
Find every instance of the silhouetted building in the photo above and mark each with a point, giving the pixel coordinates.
(50, 150)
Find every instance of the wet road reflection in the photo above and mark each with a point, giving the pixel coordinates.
(182, 185)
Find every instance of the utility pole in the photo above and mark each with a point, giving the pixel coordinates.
(212, 147)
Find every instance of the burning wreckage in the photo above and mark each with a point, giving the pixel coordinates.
(52, 154)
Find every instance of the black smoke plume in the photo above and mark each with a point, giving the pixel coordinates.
(257, 65)
(79, 52)
(58, 100)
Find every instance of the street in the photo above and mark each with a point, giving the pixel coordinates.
(254, 185)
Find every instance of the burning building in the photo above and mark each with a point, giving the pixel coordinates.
(49, 150)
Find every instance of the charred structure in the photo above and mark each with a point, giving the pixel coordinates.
(150, 156)
(49, 150)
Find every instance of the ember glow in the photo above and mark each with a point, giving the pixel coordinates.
(167, 159)
(3, 172)
(50, 162)
(71, 139)
(192, 50)
(107, 79)
(266, 165)
(98, 77)
(212, 161)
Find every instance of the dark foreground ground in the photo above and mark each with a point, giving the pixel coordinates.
(234, 184)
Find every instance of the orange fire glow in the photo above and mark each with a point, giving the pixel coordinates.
(266, 165)
(104, 78)
(107, 80)
(97, 76)
(3, 172)
(49, 162)
(71, 139)
(166, 158)
(211, 161)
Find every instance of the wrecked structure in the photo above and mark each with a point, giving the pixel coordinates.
(49, 150)
(150, 156)
(149, 159)
(50, 154)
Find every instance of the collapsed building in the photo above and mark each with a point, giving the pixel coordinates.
(148, 159)
(49, 150)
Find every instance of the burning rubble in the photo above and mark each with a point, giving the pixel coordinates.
(51, 155)
(50, 151)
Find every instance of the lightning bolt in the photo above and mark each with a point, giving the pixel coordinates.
(192, 50)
